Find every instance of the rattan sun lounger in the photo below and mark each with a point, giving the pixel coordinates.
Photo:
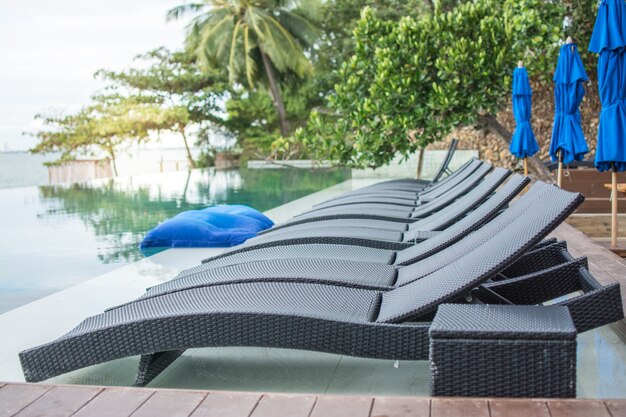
(447, 215)
(444, 169)
(402, 202)
(454, 223)
(390, 212)
(388, 188)
(409, 192)
(328, 318)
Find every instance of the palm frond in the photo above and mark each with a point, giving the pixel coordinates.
(311, 10)
(249, 68)
(177, 12)
(301, 28)
(232, 71)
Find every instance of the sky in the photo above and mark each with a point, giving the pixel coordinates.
(50, 49)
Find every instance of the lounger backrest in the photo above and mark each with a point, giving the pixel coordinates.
(469, 240)
(458, 188)
(450, 214)
(472, 221)
(397, 185)
(442, 188)
(454, 280)
(446, 162)
(437, 203)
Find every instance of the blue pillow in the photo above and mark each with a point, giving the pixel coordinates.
(218, 226)
(242, 211)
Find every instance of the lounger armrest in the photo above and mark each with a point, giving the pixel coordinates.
(538, 259)
(570, 284)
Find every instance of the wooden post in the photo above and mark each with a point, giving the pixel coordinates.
(526, 166)
(559, 172)
(614, 208)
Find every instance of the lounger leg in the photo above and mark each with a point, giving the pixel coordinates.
(152, 364)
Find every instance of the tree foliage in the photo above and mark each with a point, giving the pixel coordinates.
(410, 82)
(258, 42)
(103, 126)
(185, 95)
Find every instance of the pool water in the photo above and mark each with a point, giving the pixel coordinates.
(57, 236)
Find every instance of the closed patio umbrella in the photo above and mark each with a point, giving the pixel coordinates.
(523, 142)
(568, 140)
(609, 40)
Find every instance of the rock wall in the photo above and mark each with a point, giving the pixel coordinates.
(492, 149)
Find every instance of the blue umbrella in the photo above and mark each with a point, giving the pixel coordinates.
(609, 40)
(523, 143)
(568, 140)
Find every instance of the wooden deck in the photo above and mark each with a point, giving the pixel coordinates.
(22, 400)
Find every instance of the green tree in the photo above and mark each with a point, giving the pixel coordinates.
(184, 96)
(102, 126)
(251, 116)
(409, 83)
(256, 41)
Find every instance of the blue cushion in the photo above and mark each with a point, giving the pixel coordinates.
(242, 211)
(218, 226)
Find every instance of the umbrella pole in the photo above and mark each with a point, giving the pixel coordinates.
(559, 172)
(614, 208)
(526, 166)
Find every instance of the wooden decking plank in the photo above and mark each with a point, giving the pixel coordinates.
(227, 404)
(170, 404)
(616, 408)
(518, 408)
(342, 407)
(577, 409)
(457, 407)
(400, 407)
(60, 402)
(14, 398)
(115, 402)
(273, 405)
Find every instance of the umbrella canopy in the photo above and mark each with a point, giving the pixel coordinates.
(609, 40)
(568, 138)
(523, 143)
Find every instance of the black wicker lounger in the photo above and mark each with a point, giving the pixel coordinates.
(388, 188)
(452, 223)
(447, 215)
(444, 169)
(456, 185)
(335, 319)
(411, 193)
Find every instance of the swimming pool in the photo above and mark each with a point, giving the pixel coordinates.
(57, 236)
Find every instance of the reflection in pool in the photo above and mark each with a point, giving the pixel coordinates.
(57, 236)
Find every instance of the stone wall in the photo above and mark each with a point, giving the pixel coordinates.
(491, 149)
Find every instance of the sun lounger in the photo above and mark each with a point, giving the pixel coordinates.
(447, 215)
(403, 201)
(444, 169)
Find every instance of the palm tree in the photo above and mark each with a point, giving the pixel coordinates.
(245, 35)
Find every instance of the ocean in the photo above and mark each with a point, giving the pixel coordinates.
(22, 169)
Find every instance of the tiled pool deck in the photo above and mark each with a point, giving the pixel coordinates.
(601, 354)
